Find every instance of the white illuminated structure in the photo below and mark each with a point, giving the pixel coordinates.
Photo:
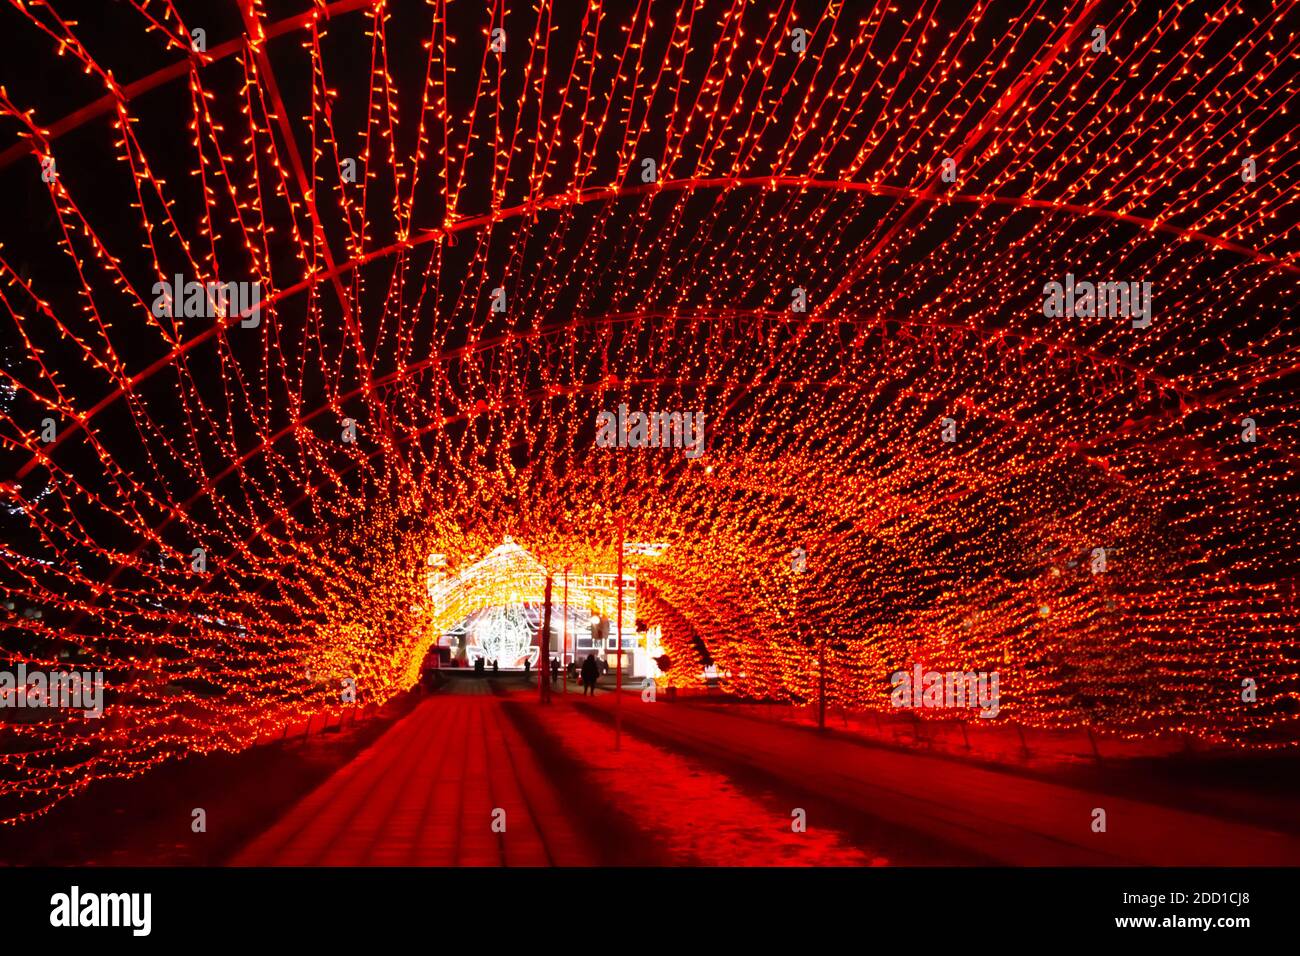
(491, 609)
(504, 635)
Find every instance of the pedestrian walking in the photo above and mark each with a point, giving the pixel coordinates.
(590, 671)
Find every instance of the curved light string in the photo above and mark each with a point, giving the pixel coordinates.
(462, 264)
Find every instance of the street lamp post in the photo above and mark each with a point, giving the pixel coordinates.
(565, 651)
(799, 567)
(544, 674)
(821, 679)
(618, 678)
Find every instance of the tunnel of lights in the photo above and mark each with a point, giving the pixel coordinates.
(227, 521)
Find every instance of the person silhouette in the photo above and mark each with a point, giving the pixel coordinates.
(590, 671)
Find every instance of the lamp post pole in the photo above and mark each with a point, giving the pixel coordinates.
(544, 673)
(821, 678)
(799, 569)
(618, 639)
(565, 651)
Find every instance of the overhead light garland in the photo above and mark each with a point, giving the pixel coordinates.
(473, 229)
